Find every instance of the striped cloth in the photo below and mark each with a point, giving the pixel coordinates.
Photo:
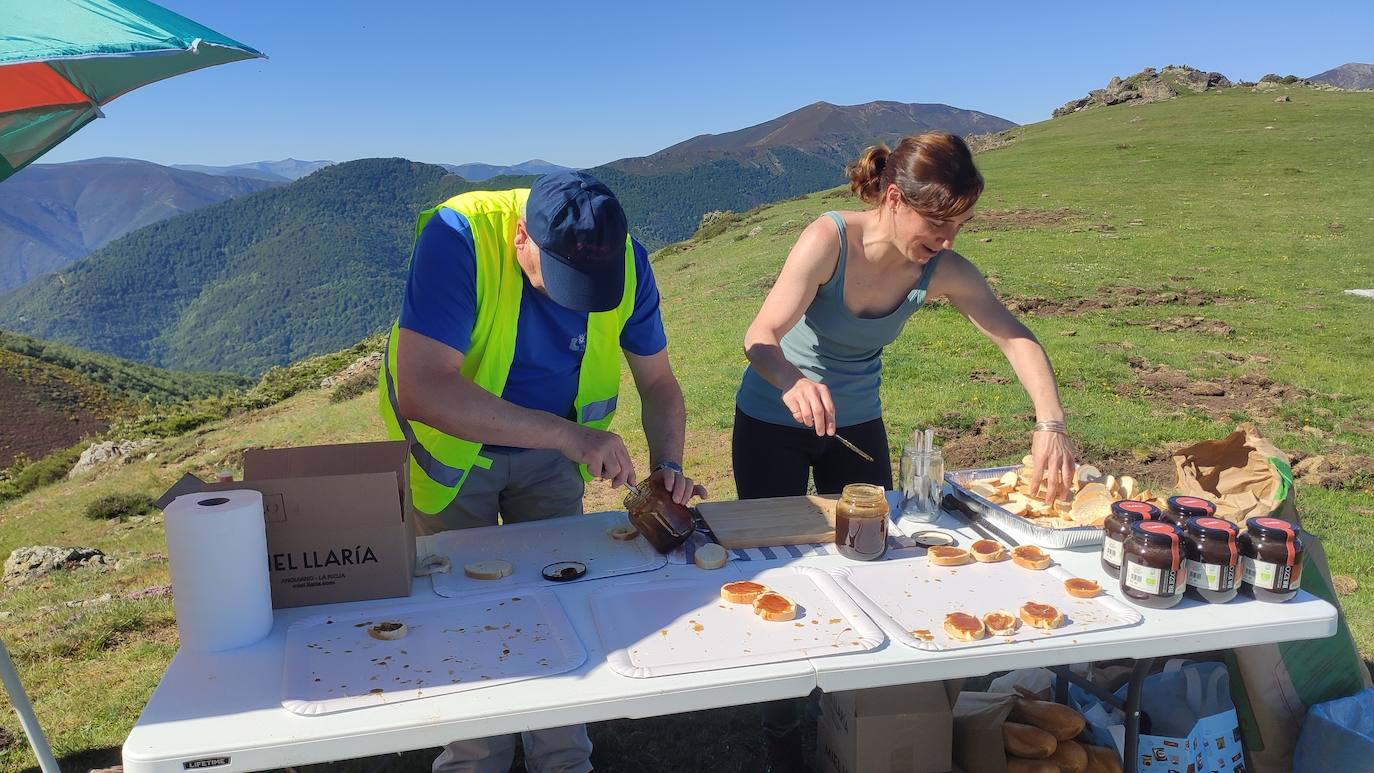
(686, 552)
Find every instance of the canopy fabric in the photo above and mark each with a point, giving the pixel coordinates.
(61, 60)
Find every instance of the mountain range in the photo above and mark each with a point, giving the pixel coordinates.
(479, 171)
(318, 263)
(54, 214)
(286, 170)
(1352, 76)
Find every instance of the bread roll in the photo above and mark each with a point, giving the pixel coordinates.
(987, 551)
(1070, 757)
(1058, 720)
(942, 555)
(1026, 741)
(1102, 760)
(1031, 557)
(488, 570)
(962, 626)
(711, 556)
(622, 532)
(743, 592)
(775, 607)
(1082, 588)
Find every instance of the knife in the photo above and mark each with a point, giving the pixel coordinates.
(853, 448)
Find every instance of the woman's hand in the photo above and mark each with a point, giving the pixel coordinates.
(1052, 459)
(809, 401)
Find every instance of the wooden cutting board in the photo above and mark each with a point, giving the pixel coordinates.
(758, 523)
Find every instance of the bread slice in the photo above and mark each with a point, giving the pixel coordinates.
(1041, 615)
(710, 556)
(488, 570)
(1001, 623)
(775, 607)
(987, 551)
(1082, 588)
(943, 555)
(388, 631)
(622, 532)
(742, 592)
(961, 626)
(1031, 557)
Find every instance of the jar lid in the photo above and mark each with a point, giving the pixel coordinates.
(1190, 507)
(1135, 510)
(1214, 528)
(1160, 534)
(1271, 528)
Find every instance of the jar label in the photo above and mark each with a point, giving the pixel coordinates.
(1111, 550)
(1156, 582)
(1211, 576)
(1263, 574)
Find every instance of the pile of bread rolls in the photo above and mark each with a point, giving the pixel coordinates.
(1038, 737)
(1088, 504)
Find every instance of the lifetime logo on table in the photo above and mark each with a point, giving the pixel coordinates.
(208, 762)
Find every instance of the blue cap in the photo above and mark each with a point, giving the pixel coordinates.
(580, 229)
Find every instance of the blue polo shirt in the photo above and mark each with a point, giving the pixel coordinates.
(441, 303)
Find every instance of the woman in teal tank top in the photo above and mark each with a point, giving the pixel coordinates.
(846, 290)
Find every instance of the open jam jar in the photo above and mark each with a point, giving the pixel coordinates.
(1271, 559)
(1152, 571)
(1213, 559)
(663, 522)
(861, 518)
(1182, 508)
(1117, 528)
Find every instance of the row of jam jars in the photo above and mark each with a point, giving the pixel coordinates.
(1157, 561)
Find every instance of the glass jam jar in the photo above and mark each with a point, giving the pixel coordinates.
(1182, 508)
(1117, 528)
(1271, 557)
(861, 518)
(1152, 571)
(1213, 559)
(663, 522)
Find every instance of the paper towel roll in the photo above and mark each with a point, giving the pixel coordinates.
(217, 549)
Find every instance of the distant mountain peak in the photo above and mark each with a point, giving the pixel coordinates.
(1352, 76)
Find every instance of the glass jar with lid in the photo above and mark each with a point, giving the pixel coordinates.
(861, 518)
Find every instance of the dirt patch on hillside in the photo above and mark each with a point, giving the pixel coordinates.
(1191, 324)
(1015, 219)
(1336, 468)
(1113, 297)
(982, 441)
(38, 423)
(1255, 394)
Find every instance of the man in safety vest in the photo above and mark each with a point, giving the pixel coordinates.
(503, 371)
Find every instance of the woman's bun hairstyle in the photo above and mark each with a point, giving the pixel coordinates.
(934, 171)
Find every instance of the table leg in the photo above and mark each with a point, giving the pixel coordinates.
(20, 700)
(1130, 762)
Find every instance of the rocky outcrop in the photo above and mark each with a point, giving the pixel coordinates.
(30, 563)
(1148, 85)
(108, 451)
(367, 365)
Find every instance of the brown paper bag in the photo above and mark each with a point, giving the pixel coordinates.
(978, 718)
(1272, 685)
(1244, 474)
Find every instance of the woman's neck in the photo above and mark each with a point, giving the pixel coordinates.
(879, 246)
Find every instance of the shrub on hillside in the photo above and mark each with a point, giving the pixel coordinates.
(360, 384)
(23, 477)
(119, 506)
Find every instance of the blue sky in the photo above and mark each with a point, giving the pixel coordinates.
(502, 82)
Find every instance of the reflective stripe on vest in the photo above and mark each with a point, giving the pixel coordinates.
(439, 462)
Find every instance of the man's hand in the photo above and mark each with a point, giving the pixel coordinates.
(678, 485)
(604, 453)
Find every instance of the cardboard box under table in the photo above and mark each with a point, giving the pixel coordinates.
(901, 729)
(336, 525)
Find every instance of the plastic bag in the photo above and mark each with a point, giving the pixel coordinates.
(1337, 735)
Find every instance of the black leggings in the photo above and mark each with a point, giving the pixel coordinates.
(771, 460)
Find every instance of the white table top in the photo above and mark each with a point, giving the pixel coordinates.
(228, 705)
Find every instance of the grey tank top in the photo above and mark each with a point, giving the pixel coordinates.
(832, 346)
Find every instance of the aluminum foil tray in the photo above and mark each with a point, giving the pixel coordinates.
(1015, 526)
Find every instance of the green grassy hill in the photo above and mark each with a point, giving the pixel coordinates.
(1183, 262)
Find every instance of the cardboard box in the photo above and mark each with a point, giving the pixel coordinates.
(336, 523)
(902, 729)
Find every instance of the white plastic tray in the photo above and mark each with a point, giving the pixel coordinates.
(1016, 527)
(659, 628)
(530, 547)
(332, 664)
(909, 595)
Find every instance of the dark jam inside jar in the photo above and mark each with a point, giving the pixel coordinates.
(1210, 545)
(1117, 528)
(861, 522)
(1271, 558)
(1152, 571)
(663, 522)
(1182, 508)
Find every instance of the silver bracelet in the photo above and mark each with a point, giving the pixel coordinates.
(1052, 426)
